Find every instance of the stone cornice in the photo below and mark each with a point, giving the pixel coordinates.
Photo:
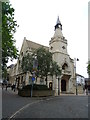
(60, 52)
(59, 39)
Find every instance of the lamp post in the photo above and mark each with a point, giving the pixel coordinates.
(58, 85)
(35, 65)
(75, 59)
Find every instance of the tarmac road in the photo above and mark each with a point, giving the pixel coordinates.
(11, 102)
(58, 107)
(14, 106)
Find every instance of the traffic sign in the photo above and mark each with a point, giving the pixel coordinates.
(33, 78)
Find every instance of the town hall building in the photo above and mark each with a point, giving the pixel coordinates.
(66, 83)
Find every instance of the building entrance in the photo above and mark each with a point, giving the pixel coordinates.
(50, 85)
(63, 85)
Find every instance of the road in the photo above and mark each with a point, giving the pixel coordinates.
(15, 106)
(11, 102)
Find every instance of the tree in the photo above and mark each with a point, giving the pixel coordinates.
(46, 66)
(9, 50)
(55, 69)
(27, 63)
(44, 58)
(88, 68)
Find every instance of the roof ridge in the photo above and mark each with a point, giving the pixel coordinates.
(36, 43)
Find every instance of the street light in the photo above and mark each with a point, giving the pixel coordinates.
(75, 59)
(58, 85)
(35, 65)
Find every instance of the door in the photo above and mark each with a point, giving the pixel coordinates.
(63, 85)
(50, 85)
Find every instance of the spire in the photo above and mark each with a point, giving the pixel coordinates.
(58, 24)
(58, 21)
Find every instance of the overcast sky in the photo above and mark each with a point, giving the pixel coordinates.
(37, 18)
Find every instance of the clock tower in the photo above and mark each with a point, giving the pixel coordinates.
(58, 47)
(58, 43)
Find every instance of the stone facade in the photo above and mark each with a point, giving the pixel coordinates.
(58, 46)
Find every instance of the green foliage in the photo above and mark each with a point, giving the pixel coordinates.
(88, 68)
(55, 69)
(8, 29)
(46, 66)
(44, 60)
(27, 63)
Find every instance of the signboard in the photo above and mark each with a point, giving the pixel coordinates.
(33, 78)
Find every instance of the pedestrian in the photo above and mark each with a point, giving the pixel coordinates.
(2, 86)
(86, 89)
(14, 87)
(6, 87)
(6, 84)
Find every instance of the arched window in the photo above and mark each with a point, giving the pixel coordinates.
(22, 54)
(64, 66)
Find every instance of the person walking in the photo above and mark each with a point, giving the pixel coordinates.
(86, 89)
(14, 87)
(2, 85)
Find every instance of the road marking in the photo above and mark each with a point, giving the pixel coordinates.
(12, 116)
(22, 109)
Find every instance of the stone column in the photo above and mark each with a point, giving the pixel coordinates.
(60, 82)
(48, 81)
(27, 78)
(56, 87)
(70, 85)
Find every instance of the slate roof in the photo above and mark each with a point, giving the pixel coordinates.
(35, 45)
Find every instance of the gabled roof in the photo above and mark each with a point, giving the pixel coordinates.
(31, 45)
(34, 45)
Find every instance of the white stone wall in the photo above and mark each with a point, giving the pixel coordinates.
(58, 46)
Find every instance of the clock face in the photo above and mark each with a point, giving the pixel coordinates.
(51, 48)
(63, 47)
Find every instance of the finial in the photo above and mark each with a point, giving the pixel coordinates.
(58, 24)
(58, 21)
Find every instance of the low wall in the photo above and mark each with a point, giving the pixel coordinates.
(35, 93)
